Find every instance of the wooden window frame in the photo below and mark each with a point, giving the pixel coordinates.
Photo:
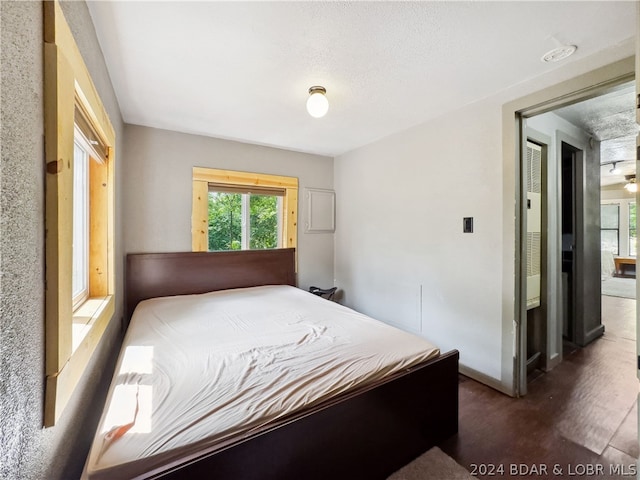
(203, 177)
(67, 86)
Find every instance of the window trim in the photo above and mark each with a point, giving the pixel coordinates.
(617, 230)
(634, 229)
(79, 297)
(246, 226)
(202, 177)
(67, 86)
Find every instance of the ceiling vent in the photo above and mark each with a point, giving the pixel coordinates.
(559, 53)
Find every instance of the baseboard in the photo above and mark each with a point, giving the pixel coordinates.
(485, 379)
(591, 335)
(553, 362)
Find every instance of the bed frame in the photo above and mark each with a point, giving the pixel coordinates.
(369, 432)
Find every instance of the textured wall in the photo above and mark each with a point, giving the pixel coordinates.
(21, 234)
(27, 451)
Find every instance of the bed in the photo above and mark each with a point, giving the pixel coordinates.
(228, 371)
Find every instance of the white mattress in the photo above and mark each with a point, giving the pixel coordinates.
(200, 370)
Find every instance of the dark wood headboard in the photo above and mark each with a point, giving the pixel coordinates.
(150, 275)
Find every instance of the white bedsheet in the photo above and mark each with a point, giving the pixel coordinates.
(198, 370)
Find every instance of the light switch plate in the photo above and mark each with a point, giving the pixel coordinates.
(467, 225)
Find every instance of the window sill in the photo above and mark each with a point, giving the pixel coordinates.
(85, 316)
(90, 321)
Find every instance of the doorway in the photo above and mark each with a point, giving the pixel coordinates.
(569, 229)
(571, 273)
(581, 242)
(568, 310)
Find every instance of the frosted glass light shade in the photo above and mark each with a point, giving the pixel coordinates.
(631, 187)
(317, 103)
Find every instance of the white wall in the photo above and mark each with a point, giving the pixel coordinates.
(401, 255)
(401, 203)
(158, 181)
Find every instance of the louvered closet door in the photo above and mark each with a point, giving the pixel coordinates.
(534, 215)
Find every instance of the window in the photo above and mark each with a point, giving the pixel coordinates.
(609, 228)
(633, 237)
(244, 221)
(242, 210)
(79, 215)
(80, 225)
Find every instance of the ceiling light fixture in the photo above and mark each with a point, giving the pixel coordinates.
(615, 170)
(317, 103)
(632, 186)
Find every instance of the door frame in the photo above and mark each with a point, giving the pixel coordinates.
(583, 87)
(578, 268)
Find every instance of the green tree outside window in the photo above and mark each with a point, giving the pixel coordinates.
(225, 221)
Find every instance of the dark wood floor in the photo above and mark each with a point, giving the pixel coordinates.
(581, 416)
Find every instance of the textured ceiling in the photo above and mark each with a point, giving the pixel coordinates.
(610, 118)
(606, 117)
(241, 70)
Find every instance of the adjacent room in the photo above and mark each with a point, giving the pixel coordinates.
(271, 240)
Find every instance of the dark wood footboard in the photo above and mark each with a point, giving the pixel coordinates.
(367, 434)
